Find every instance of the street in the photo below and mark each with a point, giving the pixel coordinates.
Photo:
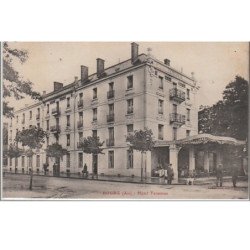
(17, 186)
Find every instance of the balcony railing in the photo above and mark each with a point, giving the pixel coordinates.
(110, 142)
(177, 95)
(67, 127)
(80, 124)
(110, 117)
(56, 111)
(55, 129)
(110, 94)
(177, 118)
(80, 104)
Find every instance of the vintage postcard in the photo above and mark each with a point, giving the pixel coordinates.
(125, 120)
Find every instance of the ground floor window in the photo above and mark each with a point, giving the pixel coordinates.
(38, 161)
(111, 159)
(16, 162)
(68, 160)
(130, 159)
(80, 160)
(11, 162)
(23, 161)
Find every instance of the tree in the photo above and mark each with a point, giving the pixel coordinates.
(13, 152)
(92, 145)
(142, 141)
(229, 116)
(33, 138)
(55, 151)
(14, 85)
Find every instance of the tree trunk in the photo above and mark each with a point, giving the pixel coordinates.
(145, 165)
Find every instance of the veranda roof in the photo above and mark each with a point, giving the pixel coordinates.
(207, 138)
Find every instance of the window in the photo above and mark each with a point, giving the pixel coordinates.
(95, 93)
(187, 133)
(81, 117)
(80, 160)
(80, 96)
(160, 82)
(10, 161)
(68, 102)
(111, 86)
(130, 128)
(10, 134)
(111, 109)
(38, 125)
(47, 159)
(23, 121)
(80, 136)
(47, 124)
(188, 114)
(68, 160)
(130, 109)
(188, 94)
(160, 107)
(47, 141)
(38, 161)
(174, 133)
(30, 115)
(68, 139)
(16, 162)
(130, 159)
(68, 120)
(174, 85)
(23, 161)
(174, 108)
(47, 108)
(94, 133)
(111, 159)
(17, 119)
(38, 112)
(129, 82)
(111, 133)
(160, 131)
(95, 114)
(168, 78)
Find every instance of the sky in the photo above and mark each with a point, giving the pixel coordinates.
(214, 64)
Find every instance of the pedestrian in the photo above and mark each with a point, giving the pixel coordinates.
(234, 175)
(161, 174)
(85, 171)
(166, 175)
(170, 173)
(219, 175)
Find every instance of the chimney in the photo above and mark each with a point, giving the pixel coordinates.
(167, 62)
(84, 74)
(134, 52)
(44, 92)
(58, 86)
(76, 79)
(100, 66)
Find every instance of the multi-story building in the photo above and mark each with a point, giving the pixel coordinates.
(137, 93)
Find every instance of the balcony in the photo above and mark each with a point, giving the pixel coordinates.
(80, 104)
(55, 129)
(110, 142)
(110, 94)
(80, 124)
(177, 119)
(177, 95)
(56, 111)
(68, 109)
(67, 127)
(111, 118)
(38, 116)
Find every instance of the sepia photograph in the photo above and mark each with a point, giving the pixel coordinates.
(125, 120)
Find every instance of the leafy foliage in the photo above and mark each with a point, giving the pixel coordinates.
(14, 85)
(32, 137)
(13, 151)
(141, 140)
(91, 145)
(56, 150)
(228, 117)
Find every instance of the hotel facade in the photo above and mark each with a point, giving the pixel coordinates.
(137, 93)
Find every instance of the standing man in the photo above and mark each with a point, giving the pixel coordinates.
(219, 175)
(234, 175)
(170, 173)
